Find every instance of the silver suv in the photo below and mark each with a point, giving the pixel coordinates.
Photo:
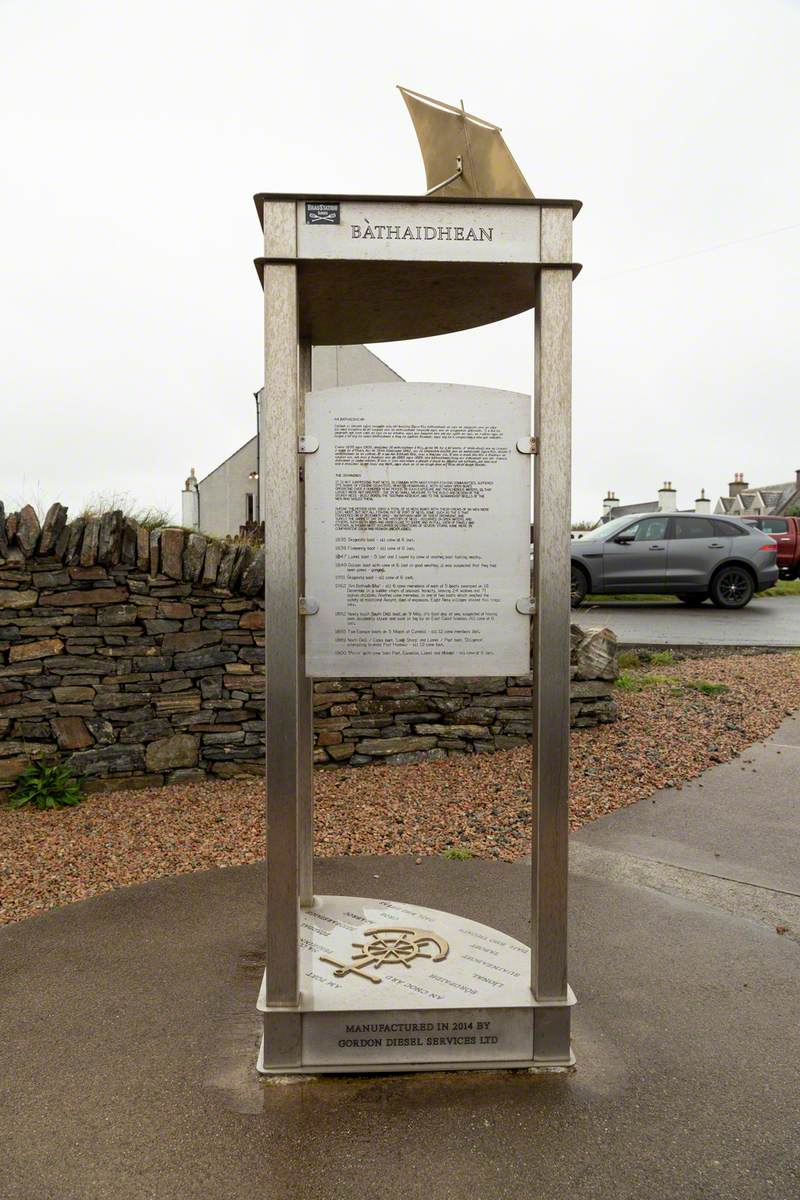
(691, 556)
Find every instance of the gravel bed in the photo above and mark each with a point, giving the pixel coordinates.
(669, 732)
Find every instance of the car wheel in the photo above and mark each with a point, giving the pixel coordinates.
(732, 587)
(579, 586)
(693, 599)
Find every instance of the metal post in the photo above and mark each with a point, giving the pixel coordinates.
(305, 686)
(551, 630)
(283, 585)
(259, 472)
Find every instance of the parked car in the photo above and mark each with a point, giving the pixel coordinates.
(687, 555)
(786, 532)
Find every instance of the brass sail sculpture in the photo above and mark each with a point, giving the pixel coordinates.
(463, 154)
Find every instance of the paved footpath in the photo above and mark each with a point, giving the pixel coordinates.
(128, 1031)
(767, 621)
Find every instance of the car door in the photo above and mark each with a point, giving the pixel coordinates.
(696, 546)
(778, 528)
(636, 559)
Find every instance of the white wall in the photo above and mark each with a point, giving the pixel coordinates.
(223, 504)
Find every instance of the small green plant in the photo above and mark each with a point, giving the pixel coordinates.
(628, 659)
(628, 682)
(637, 682)
(662, 658)
(459, 853)
(708, 689)
(47, 785)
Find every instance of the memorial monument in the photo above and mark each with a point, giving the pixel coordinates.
(398, 544)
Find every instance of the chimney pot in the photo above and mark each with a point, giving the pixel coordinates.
(702, 504)
(667, 499)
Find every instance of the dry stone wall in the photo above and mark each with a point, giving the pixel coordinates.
(139, 656)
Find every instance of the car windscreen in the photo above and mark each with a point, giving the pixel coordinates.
(612, 528)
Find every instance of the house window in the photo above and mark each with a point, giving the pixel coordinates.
(249, 508)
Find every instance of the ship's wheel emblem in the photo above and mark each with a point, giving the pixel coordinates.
(389, 947)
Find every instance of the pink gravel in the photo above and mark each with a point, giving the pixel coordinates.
(668, 733)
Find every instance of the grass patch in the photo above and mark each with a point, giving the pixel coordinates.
(595, 598)
(638, 681)
(708, 689)
(628, 682)
(634, 659)
(784, 587)
(459, 853)
(149, 517)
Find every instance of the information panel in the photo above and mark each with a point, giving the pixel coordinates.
(417, 530)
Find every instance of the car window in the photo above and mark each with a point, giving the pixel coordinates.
(649, 529)
(773, 525)
(728, 529)
(612, 529)
(692, 527)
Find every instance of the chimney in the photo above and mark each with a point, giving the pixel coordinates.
(738, 484)
(609, 502)
(702, 504)
(667, 498)
(190, 503)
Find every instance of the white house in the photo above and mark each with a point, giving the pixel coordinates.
(232, 495)
(667, 501)
(771, 499)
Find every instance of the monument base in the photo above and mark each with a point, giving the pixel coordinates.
(387, 986)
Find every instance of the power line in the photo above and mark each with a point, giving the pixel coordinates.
(695, 253)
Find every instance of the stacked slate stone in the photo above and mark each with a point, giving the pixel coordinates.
(402, 721)
(139, 656)
(136, 654)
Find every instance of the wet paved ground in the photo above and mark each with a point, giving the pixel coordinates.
(128, 1029)
(770, 621)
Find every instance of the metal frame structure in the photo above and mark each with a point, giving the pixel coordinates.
(294, 287)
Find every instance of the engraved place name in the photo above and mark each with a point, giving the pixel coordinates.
(389, 909)
(495, 983)
(484, 937)
(491, 965)
(422, 233)
(453, 983)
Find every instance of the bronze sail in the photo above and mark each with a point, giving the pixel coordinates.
(463, 154)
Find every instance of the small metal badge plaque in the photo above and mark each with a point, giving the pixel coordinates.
(417, 531)
(318, 213)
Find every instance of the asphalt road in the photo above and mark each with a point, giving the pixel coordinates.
(767, 621)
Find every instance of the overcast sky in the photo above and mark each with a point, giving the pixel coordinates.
(134, 135)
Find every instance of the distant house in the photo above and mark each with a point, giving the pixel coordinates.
(232, 495)
(771, 499)
(667, 501)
